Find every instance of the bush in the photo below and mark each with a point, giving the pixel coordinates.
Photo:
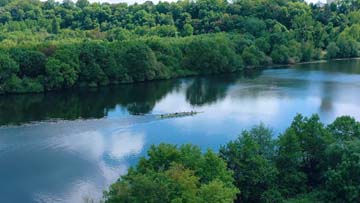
(175, 174)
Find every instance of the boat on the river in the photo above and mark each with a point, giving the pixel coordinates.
(179, 114)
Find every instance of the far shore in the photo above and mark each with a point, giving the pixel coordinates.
(311, 62)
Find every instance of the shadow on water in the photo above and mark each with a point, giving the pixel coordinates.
(86, 104)
(210, 89)
(132, 99)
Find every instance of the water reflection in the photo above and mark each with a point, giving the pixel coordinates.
(71, 105)
(127, 99)
(207, 90)
(48, 158)
(336, 66)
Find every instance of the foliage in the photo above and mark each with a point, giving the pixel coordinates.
(209, 55)
(342, 178)
(94, 40)
(248, 157)
(175, 174)
(345, 128)
(309, 162)
(8, 67)
(59, 74)
(332, 50)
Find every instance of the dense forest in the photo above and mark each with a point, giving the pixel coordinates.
(51, 46)
(308, 162)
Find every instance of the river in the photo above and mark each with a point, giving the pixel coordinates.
(69, 146)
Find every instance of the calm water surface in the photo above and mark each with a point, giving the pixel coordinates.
(69, 146)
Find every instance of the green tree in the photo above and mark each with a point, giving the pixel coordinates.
(307, 51)
(32, 63)
(345, 128)
(8, 67)
(254, 173)
(217, 192)
(347, 47)
(82, 3)
(141, 63)
(209, 56)
(280, 54)
(187, 30)
(303, 27)
(313, 138)
(13, 85)
(55, 27)
(170, 174)
(292, 180)
(252, 56)
(91, 68)
(59, 75)
(164, 31)
(332, 50)
(342, 179)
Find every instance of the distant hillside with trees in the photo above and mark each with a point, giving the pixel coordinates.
(52, 46)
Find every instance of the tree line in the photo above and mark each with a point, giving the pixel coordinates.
(308, 162)
(94, 63)
(51, 45)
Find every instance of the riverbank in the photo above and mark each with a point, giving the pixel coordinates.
(311, 62)
(245, 70)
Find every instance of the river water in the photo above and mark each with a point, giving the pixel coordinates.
(69, 146)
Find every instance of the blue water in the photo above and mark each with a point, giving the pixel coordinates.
(70, 146)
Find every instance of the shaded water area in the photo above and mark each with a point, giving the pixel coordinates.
(69, 146)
